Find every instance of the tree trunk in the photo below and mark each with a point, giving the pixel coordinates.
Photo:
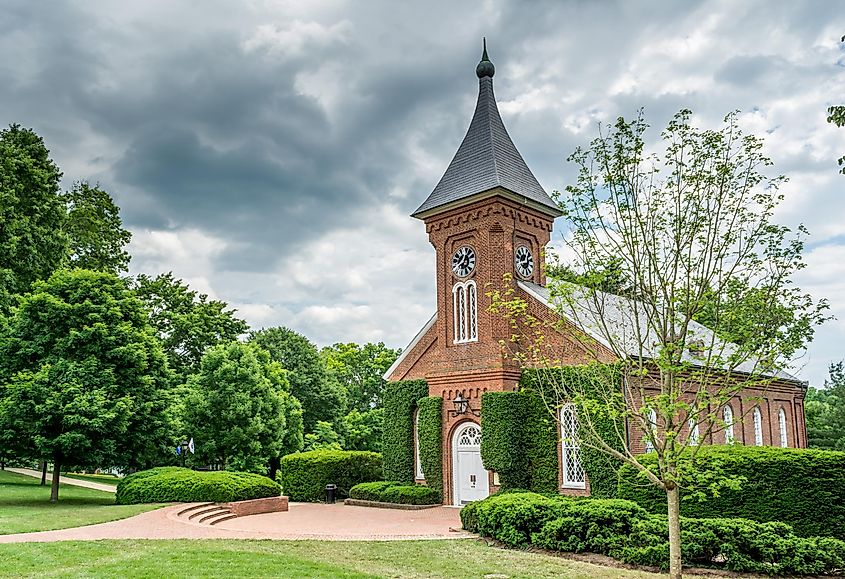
(54, 489)
(674, 501)
(43, 472)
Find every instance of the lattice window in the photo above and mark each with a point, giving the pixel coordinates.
(758, 427)
(694, 432)
(470, 436)
(728, 418)
(465, 311)
(784, 441)
(418, 466)
(573, 470)
(652, 426)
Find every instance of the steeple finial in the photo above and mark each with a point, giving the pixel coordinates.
(485, 67)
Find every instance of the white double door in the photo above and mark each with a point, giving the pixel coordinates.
(470, 481)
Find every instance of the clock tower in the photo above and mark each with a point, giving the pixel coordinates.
(487, 217)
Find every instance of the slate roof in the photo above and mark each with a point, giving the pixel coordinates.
(620, 324)
(487, 158)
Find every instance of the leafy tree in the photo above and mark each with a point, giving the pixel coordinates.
(95, 231)
(321, 396)
(323, 437)
(86, 378)
(836, 115)
(33, 242)
(825, 409)
(239, 410)
(188, 323)
(683, 226)
(362, 430)
(359, 370)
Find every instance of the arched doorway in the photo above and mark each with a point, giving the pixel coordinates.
(469, 479)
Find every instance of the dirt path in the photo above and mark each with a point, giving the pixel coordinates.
(66, 480)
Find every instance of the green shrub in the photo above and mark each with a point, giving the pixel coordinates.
(628, 532)
(304, 475)
(400, 401)
(431, 440)
(394, 492)
(801, 487)
(176, 484)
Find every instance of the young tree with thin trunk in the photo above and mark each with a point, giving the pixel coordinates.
(685, 230)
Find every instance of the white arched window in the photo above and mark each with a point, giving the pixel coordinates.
(465, 310)
(652, 425)
(784, 441)
(418, 463)
(694, 433)
(728, 417)
(570, 449)
(758, 427)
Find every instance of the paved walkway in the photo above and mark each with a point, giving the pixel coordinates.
(66, 480)
(303, 521)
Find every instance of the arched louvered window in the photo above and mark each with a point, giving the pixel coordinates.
(784, 441)
(652, 425)
(728, 417)
(570, 449)
(465, 310)
(758, 427)
(418, 463)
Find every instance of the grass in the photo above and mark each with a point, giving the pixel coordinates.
(25, 506)
(292, 559)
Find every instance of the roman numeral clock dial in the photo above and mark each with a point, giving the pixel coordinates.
(524, 261)
(463, 262)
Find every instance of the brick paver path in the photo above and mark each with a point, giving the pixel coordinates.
(67, 480)
(303, 521)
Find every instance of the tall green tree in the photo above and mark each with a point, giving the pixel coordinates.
(33, 242)
(187, 322)
(86, 379)
(322, 398)
(360, 370)
(239, 410)
(692, 221)
(825, 409)
(362, 430)
(95, 232)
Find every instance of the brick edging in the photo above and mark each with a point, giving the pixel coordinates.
(381, 505)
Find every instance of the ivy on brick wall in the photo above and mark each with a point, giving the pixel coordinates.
(400, 401)
(431, 440)
(521, 431)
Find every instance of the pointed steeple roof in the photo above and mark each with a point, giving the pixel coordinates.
(487, 159)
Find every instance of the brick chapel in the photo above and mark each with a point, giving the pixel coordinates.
(488, 216)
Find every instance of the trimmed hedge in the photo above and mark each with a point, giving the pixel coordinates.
(395, 492)
(400, 400)
(801, 487)
(626, 531)
(175, 484)
(304, 475)
(431, 441)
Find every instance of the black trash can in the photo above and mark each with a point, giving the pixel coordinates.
(330, 494)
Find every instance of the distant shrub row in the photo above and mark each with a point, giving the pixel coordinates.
(395, 492)
(626, 531)
(175, 484)
(304, 475)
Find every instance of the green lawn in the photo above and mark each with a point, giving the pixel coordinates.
(291, 559)
(25, 506)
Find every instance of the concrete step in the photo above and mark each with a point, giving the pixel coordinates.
(207, 511)
(220, 518)
(193, 507)
(208, 517)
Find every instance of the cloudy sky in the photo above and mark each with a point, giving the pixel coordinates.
(270, 152)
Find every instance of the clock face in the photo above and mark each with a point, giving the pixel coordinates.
(463, 262)
(523, 261)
